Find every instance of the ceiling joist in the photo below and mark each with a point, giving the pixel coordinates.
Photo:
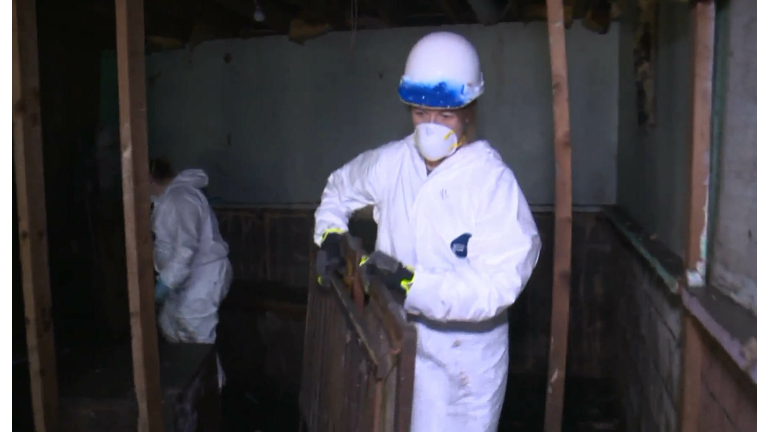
(192, 21)
(487, 11)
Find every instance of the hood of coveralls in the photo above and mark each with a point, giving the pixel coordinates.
(196, 178)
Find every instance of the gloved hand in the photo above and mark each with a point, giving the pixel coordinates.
(329, 258)
(391, 272)
(161, 290)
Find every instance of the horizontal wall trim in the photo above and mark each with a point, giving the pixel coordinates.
(662, 260)
(744, 355)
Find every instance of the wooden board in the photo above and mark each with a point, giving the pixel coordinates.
(33, 238)
(561, 281)
(136, 206)
(702, 68)
(359, 357)
(691, 376)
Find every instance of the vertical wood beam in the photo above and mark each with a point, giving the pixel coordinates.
(561, 286)
(691, 376)
(702, 70)
(136, 205)
(486, 11)
(33, 237)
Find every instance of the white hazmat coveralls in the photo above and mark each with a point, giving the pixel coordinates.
(191, 257)
(460, 298)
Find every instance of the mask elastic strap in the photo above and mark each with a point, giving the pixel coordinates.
(459, 143)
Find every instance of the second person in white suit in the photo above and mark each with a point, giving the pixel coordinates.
(191, 258)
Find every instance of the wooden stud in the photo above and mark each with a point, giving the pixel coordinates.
(691, 376)
(33, 237)
(486, 11)
(136, 205)
(450, 9)
(388, 11)
(563, 202)
(702, 67)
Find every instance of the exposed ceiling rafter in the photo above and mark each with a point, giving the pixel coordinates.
(192, 21)
(487, 11)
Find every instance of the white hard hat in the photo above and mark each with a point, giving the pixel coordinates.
(442, 71)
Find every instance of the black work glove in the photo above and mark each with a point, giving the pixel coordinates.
(391, 272)
(329, 258)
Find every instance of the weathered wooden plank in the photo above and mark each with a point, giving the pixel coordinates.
(405, 374)
(359, 366)
(561, 282)
(351, 312)
(691, 377)
(702, 67)
(136, 207)
(33, 238)
(710, 309)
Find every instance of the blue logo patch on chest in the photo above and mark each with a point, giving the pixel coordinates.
(459, 245)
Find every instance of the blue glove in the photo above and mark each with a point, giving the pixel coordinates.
(161, 290)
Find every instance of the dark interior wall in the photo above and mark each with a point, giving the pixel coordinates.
(652, 187)
(69, 98)
(652, 163)
(734, 240)
(269, 120)
(67, 56)
(647, 339)
(271, 247)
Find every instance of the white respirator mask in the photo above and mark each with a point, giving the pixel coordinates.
(435, 141)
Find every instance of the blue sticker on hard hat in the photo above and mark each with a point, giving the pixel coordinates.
(459, 245)
(440, 95)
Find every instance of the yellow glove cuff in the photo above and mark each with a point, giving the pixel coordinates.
(330, 231)
(406, 283)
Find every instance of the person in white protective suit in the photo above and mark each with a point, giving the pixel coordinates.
(453, 215)
(194, 273)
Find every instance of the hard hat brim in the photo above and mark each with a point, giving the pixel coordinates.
(442, 95)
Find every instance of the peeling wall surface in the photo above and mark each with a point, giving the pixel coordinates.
(734, 264)
(269, 120)
(652, 164)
